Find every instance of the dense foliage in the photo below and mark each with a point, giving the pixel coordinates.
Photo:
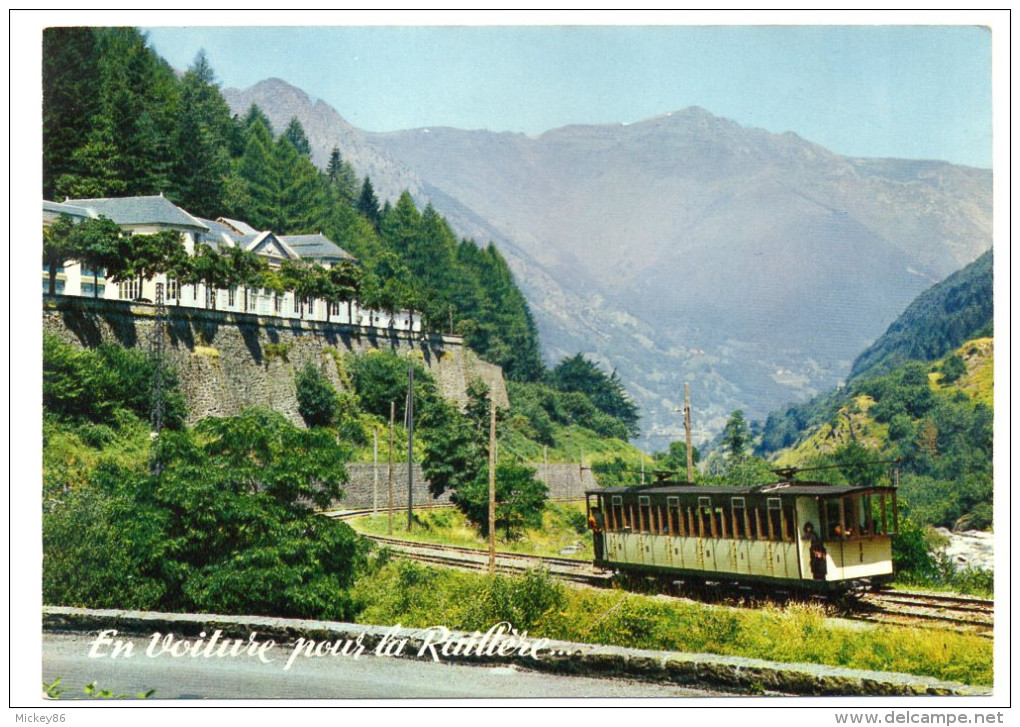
(103, 385)
(226, 527)
(520, 499)
(317, 400)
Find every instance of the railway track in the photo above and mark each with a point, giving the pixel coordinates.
(960, 613)
(967, 614)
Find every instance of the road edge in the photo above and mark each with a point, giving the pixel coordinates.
(755, 676)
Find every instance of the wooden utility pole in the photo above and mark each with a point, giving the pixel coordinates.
(410, 444)
(393, 410)
(687, 427)
(375, 471)
(492, 486)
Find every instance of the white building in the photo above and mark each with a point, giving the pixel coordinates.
(147, 215)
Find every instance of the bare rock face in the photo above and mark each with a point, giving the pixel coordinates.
(754, 265)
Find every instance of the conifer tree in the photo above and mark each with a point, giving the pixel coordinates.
(70, 74)
(295, 134)
(368, 203)
(304, 199)
(342, 179)
(203, 131)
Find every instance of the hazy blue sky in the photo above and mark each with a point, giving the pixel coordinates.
(904, 91)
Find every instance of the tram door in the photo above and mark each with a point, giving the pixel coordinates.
(741, 535)
(674, 541)
(777, 536)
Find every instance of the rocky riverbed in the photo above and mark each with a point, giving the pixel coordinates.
(971, 548)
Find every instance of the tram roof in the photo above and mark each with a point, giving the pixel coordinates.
(774, 489)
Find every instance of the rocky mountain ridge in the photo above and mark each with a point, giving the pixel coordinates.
(685, 247)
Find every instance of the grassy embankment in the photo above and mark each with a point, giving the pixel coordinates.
(419, 596)
(563, 528)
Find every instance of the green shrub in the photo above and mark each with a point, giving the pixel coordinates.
(520, 499)
(317, 399)
(226, 527)
(99, 385)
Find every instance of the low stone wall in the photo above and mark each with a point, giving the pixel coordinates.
(565, 482)
(229, 361)
(562, 657)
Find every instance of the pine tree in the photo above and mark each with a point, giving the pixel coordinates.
(342, 179)
(368, 203)
(257, 114)
(257, 174)
(295, 134)
(70, 72)
(304, 199)
(203, 132)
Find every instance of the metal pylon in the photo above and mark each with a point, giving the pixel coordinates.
(157, 355)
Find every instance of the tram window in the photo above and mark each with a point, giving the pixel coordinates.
(790, 532)
(644, 514)
(704, 516)
(673, 516)
(774, 506)
(739, 510)
(619, 523)
(833, 521)
(855, 518)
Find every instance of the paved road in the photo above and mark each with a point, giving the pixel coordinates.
(66, 656)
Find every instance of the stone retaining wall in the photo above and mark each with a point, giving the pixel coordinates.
(229, 361)
(565, 482)
(561, 657)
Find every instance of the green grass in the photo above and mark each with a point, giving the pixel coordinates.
(563, 525)
(420, 596)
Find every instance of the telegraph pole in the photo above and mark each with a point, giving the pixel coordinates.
(687, 427)
(375, 470)
(492, 485)
(393, 409)
(410, 443)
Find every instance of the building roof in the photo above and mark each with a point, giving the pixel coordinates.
(316, 247)
(773, 489)
(239, 227)
(156, 210)
(61, 208)
(219, 235)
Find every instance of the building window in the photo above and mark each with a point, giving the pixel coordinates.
(276, 303)
(297, 303)
(93, 291)
(131, 289)
(88, 273)
(173, 289)
(58, 290)
(231, 296)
